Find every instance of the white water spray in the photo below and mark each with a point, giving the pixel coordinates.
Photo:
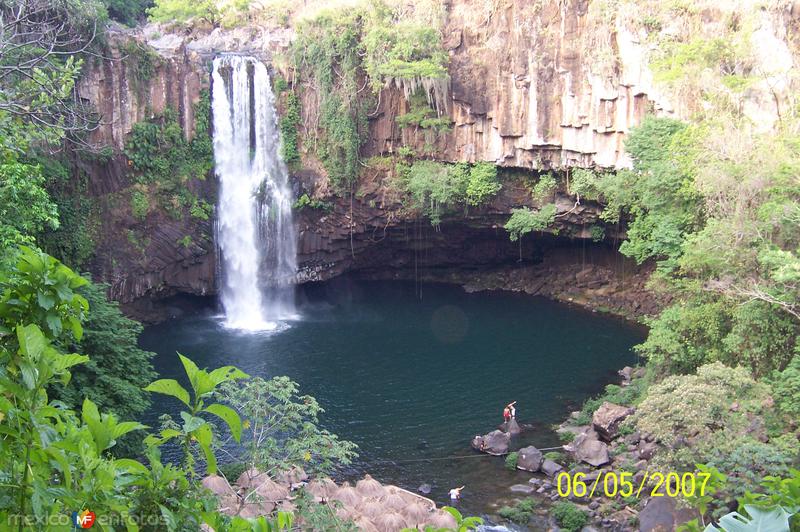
(256, 236)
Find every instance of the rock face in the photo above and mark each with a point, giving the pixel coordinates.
(525, 93)
(607, 418)
(496, 443)
(529, 459)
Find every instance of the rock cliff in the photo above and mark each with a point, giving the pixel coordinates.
(533, 86)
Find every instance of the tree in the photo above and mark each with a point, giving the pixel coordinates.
(281, 428)
(40, 46)
(117, 369)
(25, 206)
(181, 11)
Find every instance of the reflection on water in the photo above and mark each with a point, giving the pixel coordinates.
(411, 380)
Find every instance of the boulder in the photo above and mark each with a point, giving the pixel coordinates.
(217, 485)
(607, 418)
(495, 443)
(522, 488)
(662, 514)
(588, 448)
(529, 459)
(425, 489)
(551, 469)
(646, 449)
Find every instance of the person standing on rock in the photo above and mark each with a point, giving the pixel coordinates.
(509, 412)
(455, 493)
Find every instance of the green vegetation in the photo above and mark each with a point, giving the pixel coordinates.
(511, 461)
(437, 189)
(58, 459)
(283, 431)
(336, 46)
(128, 12)
(569, 516)
(117, 368)
(520, 513)
(289, 121)
(182, 11)
(25, 206)
(422, 116)
(545, 188)
(140, 204)
(164, 163)
(305, 201)
(524, 221)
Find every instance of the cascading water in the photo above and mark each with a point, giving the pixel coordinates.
(255, 233)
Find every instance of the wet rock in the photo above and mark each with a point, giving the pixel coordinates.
(529, 459)
(551, 468)
(663, 514)
(512, 427)
(607, 418)
(522, 488)
(494, 443)
(424, 489)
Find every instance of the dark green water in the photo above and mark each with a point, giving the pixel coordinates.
(412, 374)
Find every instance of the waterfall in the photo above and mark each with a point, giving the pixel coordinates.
(255, 233)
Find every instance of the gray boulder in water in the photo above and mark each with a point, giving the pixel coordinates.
(512, 427)
(495, 443)
(529, 459)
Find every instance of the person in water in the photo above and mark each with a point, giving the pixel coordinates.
(455, 493)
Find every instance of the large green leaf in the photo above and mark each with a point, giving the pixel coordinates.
(191, 371)
(62, 362)
(169, 387)
(229, 416)
(191, 423)
(774, 519)
(31, 341)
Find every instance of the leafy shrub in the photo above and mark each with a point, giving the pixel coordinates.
(520, 513)
(583, 183)
(436, 189)
(544, 189)
(288, 126)
(140, 204)
(569, 516)
(183, 11)
(483, 183)
(698, 407)
(524, 220)
(686, 335)
(305, 201)
(165, 161)
(511, 461)
(786, 387)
